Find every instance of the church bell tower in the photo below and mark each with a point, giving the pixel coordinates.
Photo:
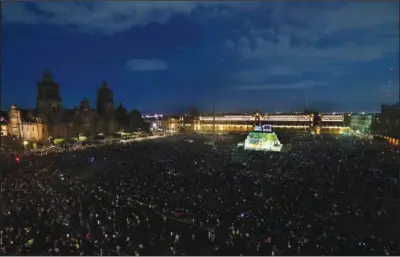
(48, 100)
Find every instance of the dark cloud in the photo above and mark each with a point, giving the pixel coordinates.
(317, 38)
(104, 17)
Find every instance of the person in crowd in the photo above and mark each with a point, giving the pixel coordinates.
(168, 197)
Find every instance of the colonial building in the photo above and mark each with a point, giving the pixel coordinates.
(49, 106)
(81, 120)
(389, 123)
(4, 123)
(167, 123)
(26, 125)
(50, 120)
(329, 123)
(106, 122)
(48, 100)
(171, 123)
(155, 121)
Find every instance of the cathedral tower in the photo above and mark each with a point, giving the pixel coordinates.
(105, 101)
(48, 100)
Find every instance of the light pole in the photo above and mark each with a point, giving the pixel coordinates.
(213, 99)
(214, 75)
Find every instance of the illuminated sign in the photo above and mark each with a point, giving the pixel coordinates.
(267, 128)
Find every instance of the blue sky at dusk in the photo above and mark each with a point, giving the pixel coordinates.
(166, 56)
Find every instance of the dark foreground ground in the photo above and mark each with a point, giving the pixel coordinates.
(328, 196)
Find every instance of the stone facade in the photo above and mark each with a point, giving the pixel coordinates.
(26, 125)
(50, 120)
(325, 123)
(106, 121)
(48, 100)
(389, 123)
(4, 123)
(171, 123)
(81, 120)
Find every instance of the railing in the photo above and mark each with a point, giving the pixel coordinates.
(332, 118)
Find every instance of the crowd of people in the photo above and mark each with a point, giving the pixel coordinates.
(171, 197)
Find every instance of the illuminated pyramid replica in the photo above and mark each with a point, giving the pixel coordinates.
(263, 139)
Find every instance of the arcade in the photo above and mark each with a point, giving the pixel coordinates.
(322, 123)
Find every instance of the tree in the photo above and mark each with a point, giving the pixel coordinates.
(136, 121)
(193, 112)
(122, 116)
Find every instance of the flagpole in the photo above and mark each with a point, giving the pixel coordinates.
(213, 99)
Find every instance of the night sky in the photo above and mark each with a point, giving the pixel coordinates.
(166, 56)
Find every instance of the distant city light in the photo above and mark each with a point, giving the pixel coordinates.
(152, 116)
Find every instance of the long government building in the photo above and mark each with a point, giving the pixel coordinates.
(330, 123)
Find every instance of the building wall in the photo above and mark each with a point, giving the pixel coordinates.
(245, 123)
(84, 123)
(223, 127)
(59, 130)
(48, 99)
(15, 122)
(388, 124)
(4, 130)
(34, 131)
(4, 123)
(390, 121)
(171, 124)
